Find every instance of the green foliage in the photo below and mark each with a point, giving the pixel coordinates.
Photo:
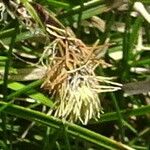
(25, 120)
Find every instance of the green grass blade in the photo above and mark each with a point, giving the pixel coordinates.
(125, 113)
(72, 129)
(6, 39)
(8, 61)
(29, 90)
(76, 9)
(58, 4)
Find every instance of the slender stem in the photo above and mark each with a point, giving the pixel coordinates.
(66, 137)
(80, 16)
(8, 61)
(6, 73)
(120, 118)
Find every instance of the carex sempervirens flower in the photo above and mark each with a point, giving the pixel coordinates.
(70, 78)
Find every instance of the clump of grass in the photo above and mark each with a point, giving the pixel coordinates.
(70, 79)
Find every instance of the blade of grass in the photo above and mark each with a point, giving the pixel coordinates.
(3, 58)
(130, 127)
(24, 89)
(77, 9)
(66, 138)
(124, 67)
(90, 12)
(141, 62)
(120, 117)
(112, 116)
(8, 61)
(125, 113)
(130, 38)
(28, 90)
(6, 72)
(6, 39)
(80, 17)
(58, 4)
(73, 129)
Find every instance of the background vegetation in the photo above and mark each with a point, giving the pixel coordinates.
(125, 123)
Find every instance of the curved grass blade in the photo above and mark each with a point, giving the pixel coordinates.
(72, 129)
(28, 89)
